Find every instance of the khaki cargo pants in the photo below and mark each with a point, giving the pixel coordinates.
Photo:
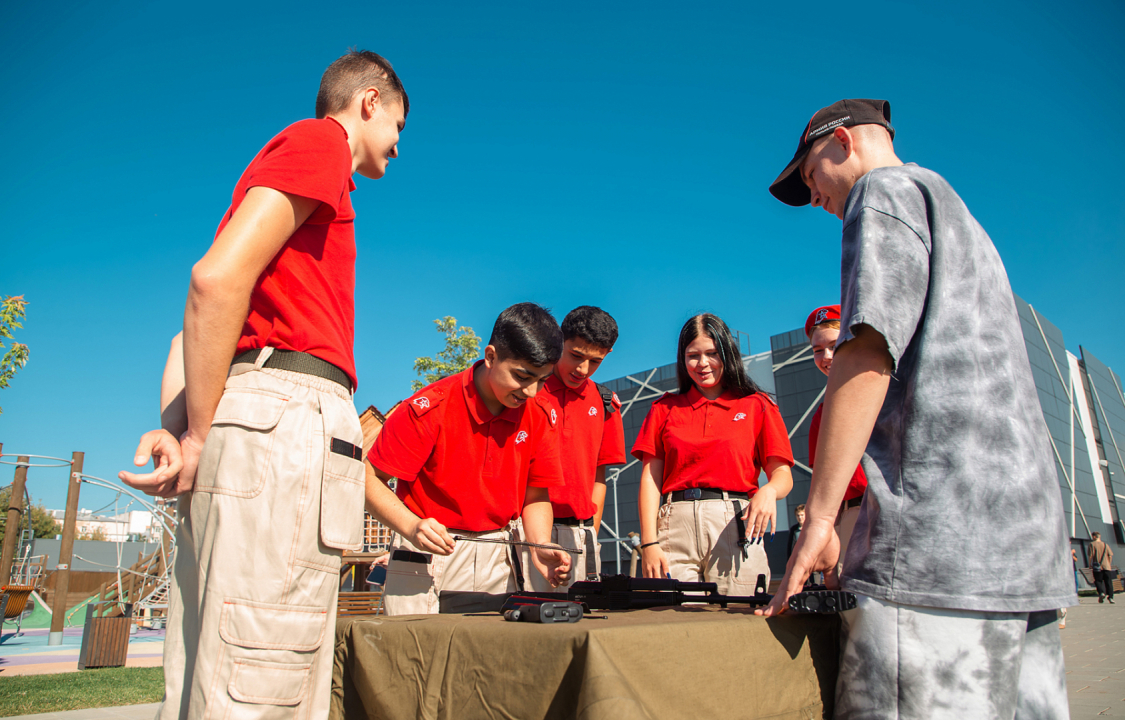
(700, 540)
(414, 585)
(253, 604)
(581, 566)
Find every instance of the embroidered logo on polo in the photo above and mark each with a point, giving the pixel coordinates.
(422, 402)
(593, 411)
(521, 436)
(615, 399)
(739, 416)
(554, 416)
(820, 315)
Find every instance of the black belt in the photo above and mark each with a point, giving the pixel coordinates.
(575, 522)
(295, 361)
(854, 502)
(707, 494)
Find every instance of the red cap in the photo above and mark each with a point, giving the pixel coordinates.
(821, 314)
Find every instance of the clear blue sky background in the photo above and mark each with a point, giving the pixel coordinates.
(615, 154)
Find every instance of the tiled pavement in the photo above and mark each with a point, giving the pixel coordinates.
(1093, 643)
(29, 653)
(1094, 647)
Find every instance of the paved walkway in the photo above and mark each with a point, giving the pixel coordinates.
(1094, 647)
(1093, 643)
(29, 654)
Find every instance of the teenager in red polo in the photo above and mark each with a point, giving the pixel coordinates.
(591, 436)
(823, 329)
(474, 454)
(268, 464)
(703, 450)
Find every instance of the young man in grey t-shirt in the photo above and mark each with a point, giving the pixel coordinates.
(959, 552)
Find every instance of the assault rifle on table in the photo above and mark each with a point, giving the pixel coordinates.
(622, 592)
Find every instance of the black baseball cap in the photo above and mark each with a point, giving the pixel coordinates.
(789, 188)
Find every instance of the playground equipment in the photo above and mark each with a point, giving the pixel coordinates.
(138, 590)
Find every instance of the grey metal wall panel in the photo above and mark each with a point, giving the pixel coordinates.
(1048, 362)
(1108, 409)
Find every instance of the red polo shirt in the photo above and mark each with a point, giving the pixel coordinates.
(720, 444)
(587, 440)
(460, 464)
(858, 484)
(305, 298)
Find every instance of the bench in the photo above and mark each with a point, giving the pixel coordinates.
(360, 603)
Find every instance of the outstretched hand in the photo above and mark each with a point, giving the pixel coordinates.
(818, 548)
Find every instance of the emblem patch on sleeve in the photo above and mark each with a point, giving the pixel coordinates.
(422, 402)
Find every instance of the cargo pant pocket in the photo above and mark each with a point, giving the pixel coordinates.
(410, 588)
(342, 487)
(272, 650)
(236, 457)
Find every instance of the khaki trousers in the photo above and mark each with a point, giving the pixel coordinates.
(413, 588)
(581, 566)
(253, 601)
(845, 525)
(700, 540)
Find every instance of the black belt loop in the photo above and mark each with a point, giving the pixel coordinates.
(295, 361)
(411, 557)
(742, 539)
(591, 560)
(516, 565)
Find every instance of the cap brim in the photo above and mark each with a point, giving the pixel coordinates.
(789, 188)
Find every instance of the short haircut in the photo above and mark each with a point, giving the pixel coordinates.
(800, 508)
(1096, 535)
(592, 324)
(528, 332)
(834, 324)
(735, 378)
(353, 73)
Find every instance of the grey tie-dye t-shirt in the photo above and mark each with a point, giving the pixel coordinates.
(962, 508)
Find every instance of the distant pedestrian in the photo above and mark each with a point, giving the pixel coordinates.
(1101, 562)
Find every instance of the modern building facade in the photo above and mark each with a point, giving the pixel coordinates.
(1081, 398)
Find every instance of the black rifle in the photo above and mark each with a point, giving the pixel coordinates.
(621, 592)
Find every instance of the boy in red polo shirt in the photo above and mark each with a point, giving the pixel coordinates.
(591, 437)
(474, 454)
(269, 466)
(822, 328)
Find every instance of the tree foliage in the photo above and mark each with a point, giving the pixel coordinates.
(462, 348)
(12, 310)
(43, 525)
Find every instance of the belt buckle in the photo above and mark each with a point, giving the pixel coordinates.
(693, 494)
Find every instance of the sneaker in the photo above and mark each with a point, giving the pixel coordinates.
(1111, 602)
(1101, 598)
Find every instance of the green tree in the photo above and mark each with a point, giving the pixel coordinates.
(42, 524)
(462, 348)
(11, 312)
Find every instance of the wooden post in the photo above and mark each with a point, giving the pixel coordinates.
(66, 551)
(12, 529)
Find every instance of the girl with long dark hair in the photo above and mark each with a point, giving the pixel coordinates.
(703, 515)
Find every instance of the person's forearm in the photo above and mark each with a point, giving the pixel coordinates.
(781, 480)
(537, 515)
(648, 499)
(385, 506)
(213, 320)
(599, 498)
(857, 386)
(173, 407)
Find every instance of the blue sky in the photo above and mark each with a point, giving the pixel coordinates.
(615, 154)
